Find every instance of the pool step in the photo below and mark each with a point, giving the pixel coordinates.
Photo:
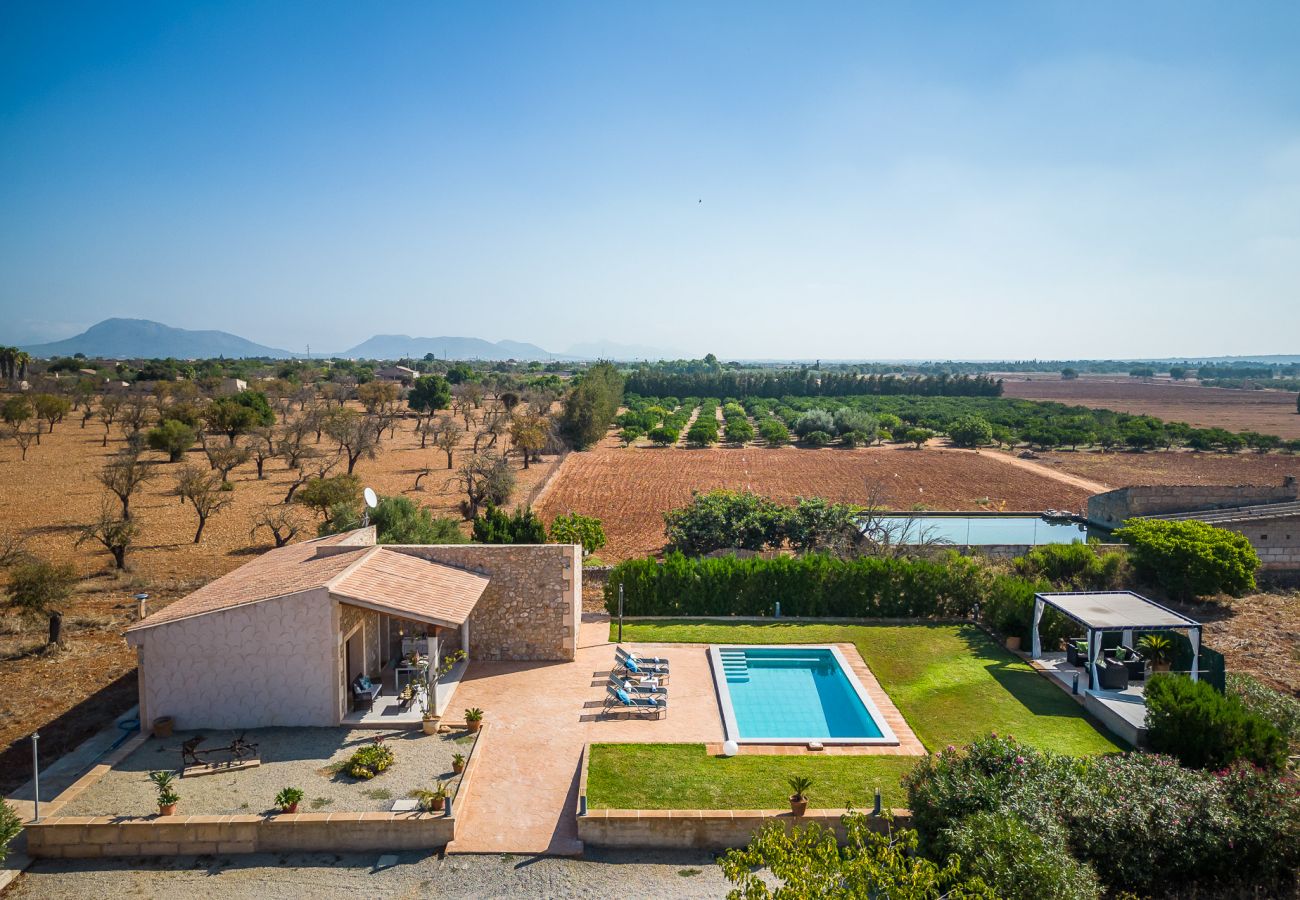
(734, 666)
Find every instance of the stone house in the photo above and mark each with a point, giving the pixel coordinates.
(282, 639)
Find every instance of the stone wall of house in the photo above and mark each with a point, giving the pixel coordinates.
(1109, 510)
(255, 665)
(532, 607)
(349, 617)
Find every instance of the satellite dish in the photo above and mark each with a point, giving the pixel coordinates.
(371, 500)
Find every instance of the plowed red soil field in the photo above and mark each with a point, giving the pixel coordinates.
(1269, 412)
(1176, 467)
(630, 489)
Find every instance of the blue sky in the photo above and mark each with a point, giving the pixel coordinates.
(937, 180)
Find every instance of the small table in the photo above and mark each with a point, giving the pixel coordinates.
(405, 696)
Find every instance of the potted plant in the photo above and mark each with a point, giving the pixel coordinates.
(799, 799)
(473, 719)
(434, 800)
(1159, 649)
(288, 799)
(428, 716)
(458, 762)
(167, 796)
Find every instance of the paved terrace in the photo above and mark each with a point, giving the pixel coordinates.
(525, 789)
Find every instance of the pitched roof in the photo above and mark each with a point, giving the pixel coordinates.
(411, 586)
(353, 572)
(276, 573)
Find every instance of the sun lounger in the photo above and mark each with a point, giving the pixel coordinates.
(633, 688)
(622, 654)
(622, 701)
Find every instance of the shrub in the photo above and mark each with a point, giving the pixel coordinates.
(722, 519)
(398, 520)
(171, 437)
(1075, 567)
(575, 528)
(369, 761)
(591, 405)
(10, 826)
(1019, 862)
(817, 439)
(1141, 821)
(664, 436)
(702, 433)
(288, 797)
(496, 527)
(810, 585)
(917, 436)
(739, 431)
(814, 420)
(1190, 559)
(1282, 710)
(1208, 730)
(773, 431)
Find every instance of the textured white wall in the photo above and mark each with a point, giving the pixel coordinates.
(269, 663)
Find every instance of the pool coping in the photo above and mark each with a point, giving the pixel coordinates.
(731, 730)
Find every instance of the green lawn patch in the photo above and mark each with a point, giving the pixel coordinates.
(951, 682)
(684, 776)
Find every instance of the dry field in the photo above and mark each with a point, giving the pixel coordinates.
(1177, 467)
(1269, 412)
(630, 489)
(47, 497)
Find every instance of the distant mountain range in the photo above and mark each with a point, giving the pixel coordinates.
(143, 339)
(140, 338)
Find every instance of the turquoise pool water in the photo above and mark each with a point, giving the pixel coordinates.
(794, 693)
(975, 531)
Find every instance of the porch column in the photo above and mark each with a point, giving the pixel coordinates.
(431, 674)
(1127, 639)
(1194, 635)
(1038, 617)
(1094, 650)
(464, 638)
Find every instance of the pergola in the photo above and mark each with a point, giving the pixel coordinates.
(1124, 611)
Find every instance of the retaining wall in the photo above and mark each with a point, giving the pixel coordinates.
(1109, 510)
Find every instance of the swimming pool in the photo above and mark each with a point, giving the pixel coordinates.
(794, 694)
(974, 531)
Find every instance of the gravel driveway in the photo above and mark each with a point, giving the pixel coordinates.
(266, 877)
(291, 757)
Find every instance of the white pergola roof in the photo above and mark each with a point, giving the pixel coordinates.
(1114, 610)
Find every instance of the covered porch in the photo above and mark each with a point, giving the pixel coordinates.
(1110, 683)
(404, 639)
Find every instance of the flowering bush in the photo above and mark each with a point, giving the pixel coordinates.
(1020, 862)
(369, 761)
(1141, 821)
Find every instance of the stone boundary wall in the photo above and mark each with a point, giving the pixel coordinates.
(695, 829)
(89, 837)
(1276, 541)
(1110, 509)
(532, 607)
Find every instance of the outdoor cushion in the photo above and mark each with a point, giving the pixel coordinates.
(622, 695)
(365, 682)
(631, 665)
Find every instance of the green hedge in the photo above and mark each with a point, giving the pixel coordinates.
(812, 585)
(1207, 730)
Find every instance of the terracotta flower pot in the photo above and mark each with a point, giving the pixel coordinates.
(458, 767)
(1161, 666)
(430, 726)
(1013, 642)
(798, 807)
(291, 808)
(437, 804)
(473, 727)
(162, 727)
(168, 810)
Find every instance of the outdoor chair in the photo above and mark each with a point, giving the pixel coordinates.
(633, 688)
(631, 703)
(630, 668)
(1112, 675)
(1076, 653)
(622, 654)
(1131, 660)
(364, 692)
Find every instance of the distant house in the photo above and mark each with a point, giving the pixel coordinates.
(232, 386)
(399, 374)
(285, 639)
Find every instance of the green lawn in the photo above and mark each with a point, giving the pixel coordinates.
(951, 682)
(684, 776)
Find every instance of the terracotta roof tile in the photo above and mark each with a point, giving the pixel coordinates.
(276, 573)
(408, 585)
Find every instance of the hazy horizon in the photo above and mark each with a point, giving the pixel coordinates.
(1052, 181)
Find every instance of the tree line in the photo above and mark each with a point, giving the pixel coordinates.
(652, 382)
